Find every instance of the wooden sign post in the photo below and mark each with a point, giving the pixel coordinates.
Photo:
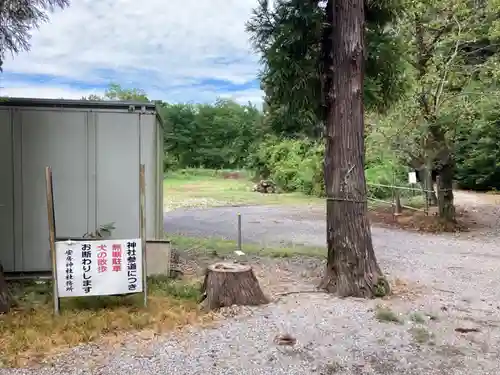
(52, 235)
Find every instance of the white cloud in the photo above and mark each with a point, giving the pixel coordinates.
(152, 43)
(23, 90)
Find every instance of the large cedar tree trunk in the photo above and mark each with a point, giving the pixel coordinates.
(352, 269)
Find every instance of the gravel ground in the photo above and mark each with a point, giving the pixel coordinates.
(450, 282)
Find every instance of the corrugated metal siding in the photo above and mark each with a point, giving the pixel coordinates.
(6, 192)
(95, 157)
(160, 154)
(148, 157)
(117, 172)
(57, 139)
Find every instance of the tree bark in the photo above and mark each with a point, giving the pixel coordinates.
(5, 296)
(446, 204)
(352, 268)
(228, 284)
(428, 184)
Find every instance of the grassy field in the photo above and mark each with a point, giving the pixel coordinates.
(209, 188)
(30, 332)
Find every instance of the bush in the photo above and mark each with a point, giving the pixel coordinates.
(387, 173)
(293, 164)
(477, 151)
(297, 165)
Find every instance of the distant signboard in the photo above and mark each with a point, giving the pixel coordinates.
(99, 268)
(412, 177)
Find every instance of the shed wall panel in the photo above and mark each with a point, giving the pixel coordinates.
(148, 158)
(18, 189)
(95, 156)
(117, 172)
(6, 192)
(57, 139)
(160, 154)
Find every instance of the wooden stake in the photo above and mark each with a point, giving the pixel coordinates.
(239, 231)
(52, 234)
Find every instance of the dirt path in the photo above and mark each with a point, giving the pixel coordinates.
(484, 211)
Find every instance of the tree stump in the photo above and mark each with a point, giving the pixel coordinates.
(228, 284)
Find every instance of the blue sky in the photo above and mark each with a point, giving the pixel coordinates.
(175, 50)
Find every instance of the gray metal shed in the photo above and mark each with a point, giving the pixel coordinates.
(95, 150)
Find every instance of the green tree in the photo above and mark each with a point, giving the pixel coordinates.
(475, 118)
(292, 38)
(452, 47)
(117, 92)
(18, 18)
(213, 136)
(352, 268)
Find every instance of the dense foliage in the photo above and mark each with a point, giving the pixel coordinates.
(431, 85)
(212, 136)
(289, 36)
(294, 164)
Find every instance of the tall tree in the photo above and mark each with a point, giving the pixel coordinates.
(289, 37)
(220, 135)
(352, 268)
(116, 92)
(453, 47)
(18, 18)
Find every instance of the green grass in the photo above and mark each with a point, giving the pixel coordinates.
(417, 202)
(221, 247)
(385, 314)
(208, 188)
(416, 317)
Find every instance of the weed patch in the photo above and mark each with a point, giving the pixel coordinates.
(417, 318)
(385, 314)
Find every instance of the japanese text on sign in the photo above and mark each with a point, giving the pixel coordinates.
(96, 268)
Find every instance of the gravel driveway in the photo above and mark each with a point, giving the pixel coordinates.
(449, 282)
(260, 224)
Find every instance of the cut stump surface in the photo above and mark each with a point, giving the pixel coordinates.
(228, 284)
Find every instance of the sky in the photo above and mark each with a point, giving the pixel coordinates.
(175, 50)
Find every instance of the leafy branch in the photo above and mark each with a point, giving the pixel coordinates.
(103, 231)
